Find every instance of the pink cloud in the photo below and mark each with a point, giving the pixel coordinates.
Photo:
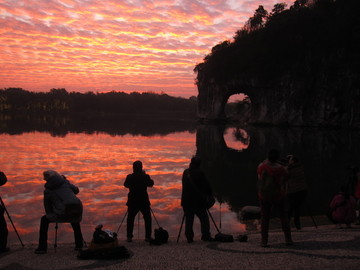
(124, 44)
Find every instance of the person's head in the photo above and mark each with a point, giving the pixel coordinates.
(292, 159)
(49, 174)
(273, 155)
(137, 166)
(195, 162)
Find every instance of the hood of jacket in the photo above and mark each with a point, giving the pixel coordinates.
(54, 181)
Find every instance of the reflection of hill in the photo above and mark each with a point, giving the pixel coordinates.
(326, 155)
(146, 125)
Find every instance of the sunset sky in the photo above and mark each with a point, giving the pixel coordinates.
(105, 45)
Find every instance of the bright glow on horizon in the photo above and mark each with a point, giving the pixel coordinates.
(124, 46)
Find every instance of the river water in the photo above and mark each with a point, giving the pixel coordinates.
(98, 162)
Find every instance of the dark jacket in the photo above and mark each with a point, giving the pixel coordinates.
(137, 183)
(195, 188)
(60, 201)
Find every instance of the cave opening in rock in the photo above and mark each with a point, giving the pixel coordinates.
(238, 106)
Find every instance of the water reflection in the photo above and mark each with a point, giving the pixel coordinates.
(326, 155)
(98, 163)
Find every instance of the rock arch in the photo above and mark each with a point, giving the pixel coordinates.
(213, 97)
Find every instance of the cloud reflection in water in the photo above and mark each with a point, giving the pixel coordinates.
(98, 164)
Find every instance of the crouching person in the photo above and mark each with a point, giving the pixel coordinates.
(61, 206)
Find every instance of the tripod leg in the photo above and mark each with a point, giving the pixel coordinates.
(154, 217)
(182, 222)
(12, 223)
(122, 222)
(213, 220)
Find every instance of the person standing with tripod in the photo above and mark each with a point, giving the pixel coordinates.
(138, 199)
(3, 226)
(196, 192)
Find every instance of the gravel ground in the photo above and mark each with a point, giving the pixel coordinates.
(325, 247)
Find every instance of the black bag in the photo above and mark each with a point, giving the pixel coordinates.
(3, 178)
(242, 238)
(103, 237)
(222, 237)
(114, 253)
(161, 237)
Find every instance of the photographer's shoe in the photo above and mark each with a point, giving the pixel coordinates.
(207, 239)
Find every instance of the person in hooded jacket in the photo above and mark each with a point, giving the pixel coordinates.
(195, 188)
(138, 199)
(61, 206)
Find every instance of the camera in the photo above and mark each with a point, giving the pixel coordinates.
(286, 160)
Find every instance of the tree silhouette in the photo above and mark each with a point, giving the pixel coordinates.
(305, 55)
(59, 101)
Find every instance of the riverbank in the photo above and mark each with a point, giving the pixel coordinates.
(324, 247)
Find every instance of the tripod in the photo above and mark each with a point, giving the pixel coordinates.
(117, 232)
(183, 219)
(12, 223)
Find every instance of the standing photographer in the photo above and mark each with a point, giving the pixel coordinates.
(196, 198)
(138, 199)
(3, 226)
(297, 188)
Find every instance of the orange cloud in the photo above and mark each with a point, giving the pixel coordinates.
(127, 46)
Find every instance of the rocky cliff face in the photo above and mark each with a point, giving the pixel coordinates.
(285, 104)
(301, 69)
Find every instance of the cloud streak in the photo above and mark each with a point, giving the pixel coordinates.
(133, 45)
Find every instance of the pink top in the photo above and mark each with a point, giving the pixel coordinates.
(277, 171)
(343, 209)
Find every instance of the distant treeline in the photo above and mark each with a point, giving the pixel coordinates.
(59, 101)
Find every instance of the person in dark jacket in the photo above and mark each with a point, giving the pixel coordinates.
(138, 199)
(3, 226)
(195, 188)
(61, 206)
(297, 189)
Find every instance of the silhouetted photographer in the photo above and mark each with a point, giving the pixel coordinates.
(61, 206)
(138, 199)
(196, 199)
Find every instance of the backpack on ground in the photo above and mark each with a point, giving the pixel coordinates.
(161, 235)
(104, 246)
